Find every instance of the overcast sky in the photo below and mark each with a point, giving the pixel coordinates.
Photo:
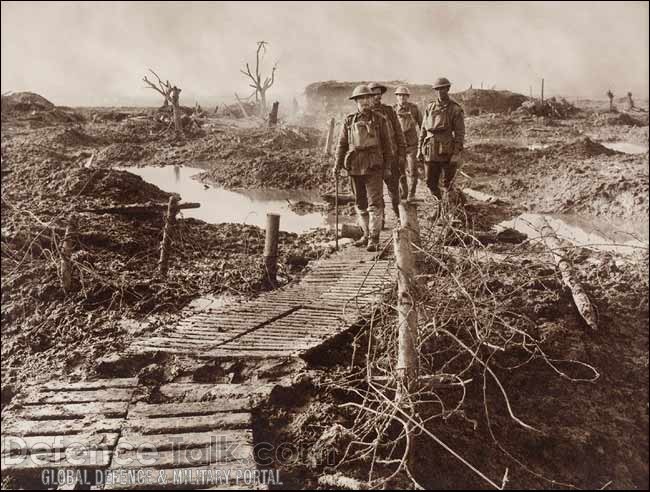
(96, 53)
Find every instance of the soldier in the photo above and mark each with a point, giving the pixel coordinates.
(397, 145)
(364, 151)
(442, 137)
(410, 119)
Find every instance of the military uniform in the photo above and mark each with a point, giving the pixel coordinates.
(364, 151)
(398, 154)
(410, 120)
(441, 136)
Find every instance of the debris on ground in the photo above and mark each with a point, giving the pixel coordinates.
(552, 107)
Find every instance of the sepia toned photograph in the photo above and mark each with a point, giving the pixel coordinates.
(325, 245)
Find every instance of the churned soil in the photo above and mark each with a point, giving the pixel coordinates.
(588, 434)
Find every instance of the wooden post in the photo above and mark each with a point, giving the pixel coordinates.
(271, 247)
(330, 137)
(66, 254)
(273, 115)
(407, 358)
(176, 109)
(531, 91)
(170, 220)
(408, 216)
(542, 90)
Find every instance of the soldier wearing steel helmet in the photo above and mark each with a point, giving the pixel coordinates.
(363, 150)
(397, 144)
(410, 120)
(442, 138)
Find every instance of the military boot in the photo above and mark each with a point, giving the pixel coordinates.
(376, 221)
(364, 224)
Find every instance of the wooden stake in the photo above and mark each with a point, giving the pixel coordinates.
(271, 247)
(330, 138)
(407, 359)
(542, 90)
(66, 254)
(408, 216)
(170, 220)
(273, 115)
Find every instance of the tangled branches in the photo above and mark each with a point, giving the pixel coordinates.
(476, 323)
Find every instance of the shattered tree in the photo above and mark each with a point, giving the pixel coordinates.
(171, 95)
(257, 84)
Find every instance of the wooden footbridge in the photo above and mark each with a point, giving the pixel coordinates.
(112, 434)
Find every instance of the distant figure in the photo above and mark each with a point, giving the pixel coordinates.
(630, 102)
(610, 95)
(442, 138)
(295, 106)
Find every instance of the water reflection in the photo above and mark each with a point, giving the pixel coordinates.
(238, 206)
(587, 232)
(626, 147)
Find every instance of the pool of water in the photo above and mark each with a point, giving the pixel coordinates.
(593, 233)
(220, 205)
(628, 148)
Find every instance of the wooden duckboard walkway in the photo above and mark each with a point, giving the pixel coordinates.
(204, 439)
(287, 322)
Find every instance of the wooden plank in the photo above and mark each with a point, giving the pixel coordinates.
(79, 396)
(72, 410)
(88, 385)
(89, 458)
(34, 444)
(25, 427)
(167, 442)
(188, 408)
(201, 391)
(192, 457)
(203, 423)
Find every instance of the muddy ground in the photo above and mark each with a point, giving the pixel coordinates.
(590, 434)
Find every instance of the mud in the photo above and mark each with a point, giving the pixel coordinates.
(591, 434)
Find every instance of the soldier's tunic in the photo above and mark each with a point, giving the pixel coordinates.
(410, 119)
(442, 134)
(398, 151)
(364, 151)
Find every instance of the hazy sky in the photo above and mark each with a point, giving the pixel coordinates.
(96, 53)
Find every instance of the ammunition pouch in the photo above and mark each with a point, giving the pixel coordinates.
(362, 136)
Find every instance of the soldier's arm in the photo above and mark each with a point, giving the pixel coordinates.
(399, 135)
(342, 145)
(418, 116)
(459, 129)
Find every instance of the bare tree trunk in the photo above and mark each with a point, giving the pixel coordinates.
(262, 102)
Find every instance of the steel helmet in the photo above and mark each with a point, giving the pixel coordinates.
(402, 89)
(441, 82)
(376, 85)
(361, 90)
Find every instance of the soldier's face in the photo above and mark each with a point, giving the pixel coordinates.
(364, 102)
(377, 98)
(442, 93)
(402, 98)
